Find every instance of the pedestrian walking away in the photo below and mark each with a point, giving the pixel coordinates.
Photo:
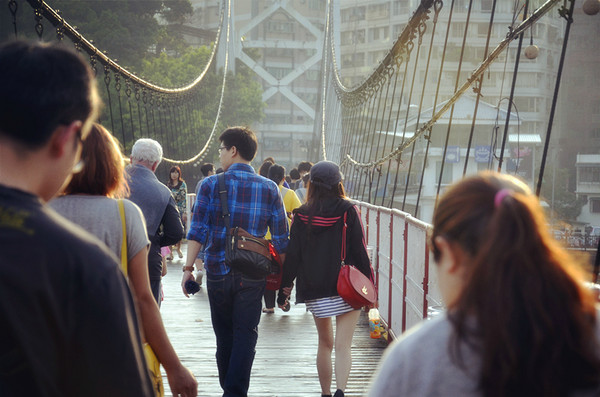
(163, 222)
(254, 204)
(90, 200)
(290, 202)
(69, 326)
(314, 260)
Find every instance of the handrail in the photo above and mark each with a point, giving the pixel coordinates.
(405, 277)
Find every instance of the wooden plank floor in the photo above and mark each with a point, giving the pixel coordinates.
(285, 353)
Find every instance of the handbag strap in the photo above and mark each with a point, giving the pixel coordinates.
(344, 239)
(223, 195)
(124, 241)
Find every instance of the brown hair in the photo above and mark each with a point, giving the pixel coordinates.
(102, 173)
(535, 320)
(170, 184)
(315, 198)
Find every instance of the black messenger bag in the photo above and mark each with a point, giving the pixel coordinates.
(243, 251)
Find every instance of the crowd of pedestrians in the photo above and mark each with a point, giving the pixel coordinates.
(518, 322)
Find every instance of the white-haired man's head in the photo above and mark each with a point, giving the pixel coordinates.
(147, 152)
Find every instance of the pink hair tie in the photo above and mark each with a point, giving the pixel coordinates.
(500, 196)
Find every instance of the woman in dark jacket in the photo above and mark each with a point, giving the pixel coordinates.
(314, 260)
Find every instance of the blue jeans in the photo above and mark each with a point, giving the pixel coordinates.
(235, 308)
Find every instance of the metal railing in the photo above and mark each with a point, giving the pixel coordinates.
(404, 274)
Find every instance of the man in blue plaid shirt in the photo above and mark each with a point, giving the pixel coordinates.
(235, 299)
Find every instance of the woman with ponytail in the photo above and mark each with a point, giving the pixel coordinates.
(519, 319)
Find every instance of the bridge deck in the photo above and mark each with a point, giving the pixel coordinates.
(285, 354)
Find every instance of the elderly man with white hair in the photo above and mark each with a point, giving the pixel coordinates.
(157, 204)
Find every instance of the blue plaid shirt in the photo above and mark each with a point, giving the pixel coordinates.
(255, 204)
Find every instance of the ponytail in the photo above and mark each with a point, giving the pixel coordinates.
(535, 322)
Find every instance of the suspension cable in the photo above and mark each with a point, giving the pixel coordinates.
(568, 15)
(226, 66)
(451, 118)
(56, 20)
(478, 88)
(512, 35)
(512, 91)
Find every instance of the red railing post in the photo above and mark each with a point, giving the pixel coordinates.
(376, 254)
(404, 275)
(367, 226)
(426, 282)
(391, 267)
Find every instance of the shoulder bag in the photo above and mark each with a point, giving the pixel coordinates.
(353, 286)
(152, 362)
(243, 251)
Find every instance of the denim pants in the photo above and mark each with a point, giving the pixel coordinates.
(235, 308)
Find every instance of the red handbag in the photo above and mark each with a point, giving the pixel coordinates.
(274, 279)
(353, 286)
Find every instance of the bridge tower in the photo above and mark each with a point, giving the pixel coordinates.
(282, 42)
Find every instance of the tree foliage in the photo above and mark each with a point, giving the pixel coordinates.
(242, 102)
(126, 29)
(134, 33)
(567, 206)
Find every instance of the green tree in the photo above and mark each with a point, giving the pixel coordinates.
(176, 11)
(126, 29)
(242, 102)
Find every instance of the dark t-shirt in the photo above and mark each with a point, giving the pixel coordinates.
(67, 321)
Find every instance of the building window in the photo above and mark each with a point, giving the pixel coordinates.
(595, 205)
(360, 36)
(398, 28)
(482, 29)
(401, 7)
(589, 174)
(316, 5)
(486, 5)
(347, 38)
(280, 27)
(347, 61)
(275, 144)
(278, 73)
(312, 75)
(354, 14)
(359, 59)
(446, 176)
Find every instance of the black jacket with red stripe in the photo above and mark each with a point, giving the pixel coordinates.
(314, 254)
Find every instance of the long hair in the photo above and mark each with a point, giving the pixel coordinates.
(534, 319)
(317, 195)
(170, 183)
(102, 173)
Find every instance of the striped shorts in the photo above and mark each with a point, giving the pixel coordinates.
(328, 307)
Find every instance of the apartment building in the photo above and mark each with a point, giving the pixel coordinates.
(368, 30)
(282, 42)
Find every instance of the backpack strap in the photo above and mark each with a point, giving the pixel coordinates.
(344, 239)
(223, 195)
